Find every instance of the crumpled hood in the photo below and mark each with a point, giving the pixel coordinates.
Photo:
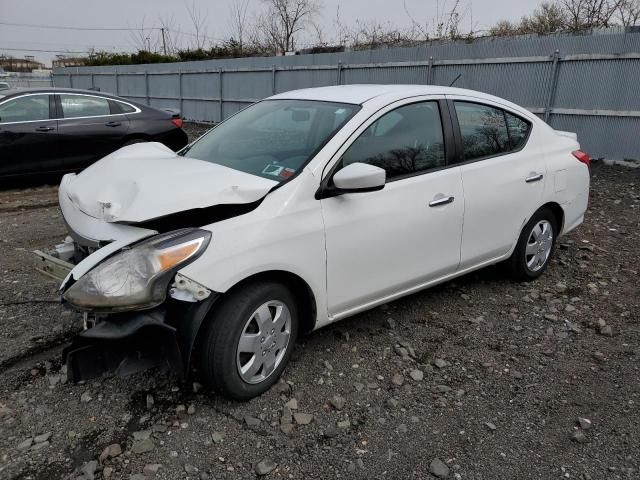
(147, 180)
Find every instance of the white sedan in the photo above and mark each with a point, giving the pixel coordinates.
(300, 210)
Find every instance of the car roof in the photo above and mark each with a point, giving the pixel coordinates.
(359, 94)
(23, 90)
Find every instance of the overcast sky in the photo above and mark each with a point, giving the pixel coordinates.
(134, 13)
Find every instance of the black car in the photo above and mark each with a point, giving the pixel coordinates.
(57, 130)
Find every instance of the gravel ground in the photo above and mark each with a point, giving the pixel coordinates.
(194, 130)
(480, 378)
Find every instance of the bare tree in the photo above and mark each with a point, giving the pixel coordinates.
(342, 31)
(199, 21)
(284, 19)
(629, 13)
(142, 37)
(238, 20)
(167, 36)
(504, 28)
(585, 14)
(547, 18)
(419, 29)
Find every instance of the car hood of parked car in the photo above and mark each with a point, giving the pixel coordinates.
(146, 181)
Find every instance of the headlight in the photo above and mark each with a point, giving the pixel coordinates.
(137, 278)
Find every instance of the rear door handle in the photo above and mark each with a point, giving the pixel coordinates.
(113, 124)
(441, 200)
(534, 177)
(44, 129)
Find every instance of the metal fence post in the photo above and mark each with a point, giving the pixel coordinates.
(93, 82)
(273, 79)
(430, 72)
(180, 91)
(117, 86)
(70, 80)
(551, 88)
(339, 74)
(220, 72)
(146, 87)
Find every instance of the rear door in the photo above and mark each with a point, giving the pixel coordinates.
(90, 127)
(28, 135)
(503, 178)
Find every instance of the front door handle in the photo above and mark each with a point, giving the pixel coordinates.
(113, 124)
(44, 129)
(534, 177)
(441, 200)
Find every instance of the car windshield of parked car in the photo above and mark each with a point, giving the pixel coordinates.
(273, 139)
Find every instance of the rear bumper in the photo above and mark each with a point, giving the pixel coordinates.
(127, 343)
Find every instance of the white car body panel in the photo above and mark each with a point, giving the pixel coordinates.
(285, 233)
(354, 251)
(375, 249)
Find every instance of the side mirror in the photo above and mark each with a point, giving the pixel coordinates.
(359, 177)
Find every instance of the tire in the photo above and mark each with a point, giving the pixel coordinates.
(224, 366)
(527, 264)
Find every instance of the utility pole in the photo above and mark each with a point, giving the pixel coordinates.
(164, 42)
(148, 44)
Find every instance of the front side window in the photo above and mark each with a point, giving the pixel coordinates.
(273, 139)
(84, 106)
(405, 141)
(25, 109)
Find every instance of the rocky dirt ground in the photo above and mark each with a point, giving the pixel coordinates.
(480, 378)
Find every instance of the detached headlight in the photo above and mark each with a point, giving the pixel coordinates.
(137, 278)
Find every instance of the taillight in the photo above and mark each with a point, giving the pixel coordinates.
(581, 156)
(178, 123)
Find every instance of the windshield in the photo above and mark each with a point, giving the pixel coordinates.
(273, 138)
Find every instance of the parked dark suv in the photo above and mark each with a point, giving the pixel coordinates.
(57, 130)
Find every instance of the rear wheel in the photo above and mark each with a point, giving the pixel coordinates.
(248, 340)
(535, 246)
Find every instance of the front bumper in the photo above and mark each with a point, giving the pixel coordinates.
(122, 344)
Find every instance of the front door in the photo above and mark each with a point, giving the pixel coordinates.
(28, 135)
(381, 244)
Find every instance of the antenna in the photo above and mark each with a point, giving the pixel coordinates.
(455, 80)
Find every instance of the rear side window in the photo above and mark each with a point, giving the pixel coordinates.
(84, 106)
(119, 107)
(487, 131)
(483, 129)
(518, 130)
(403, 142)
(25, 109)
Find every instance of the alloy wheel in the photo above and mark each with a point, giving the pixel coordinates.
(539, 245)
(263, 342)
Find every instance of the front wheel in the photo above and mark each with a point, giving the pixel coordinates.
(535, 246)
(248, 340)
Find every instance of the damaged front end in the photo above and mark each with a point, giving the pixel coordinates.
(125, 343)
(129, 323)
(139, 312)
(132, 227)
